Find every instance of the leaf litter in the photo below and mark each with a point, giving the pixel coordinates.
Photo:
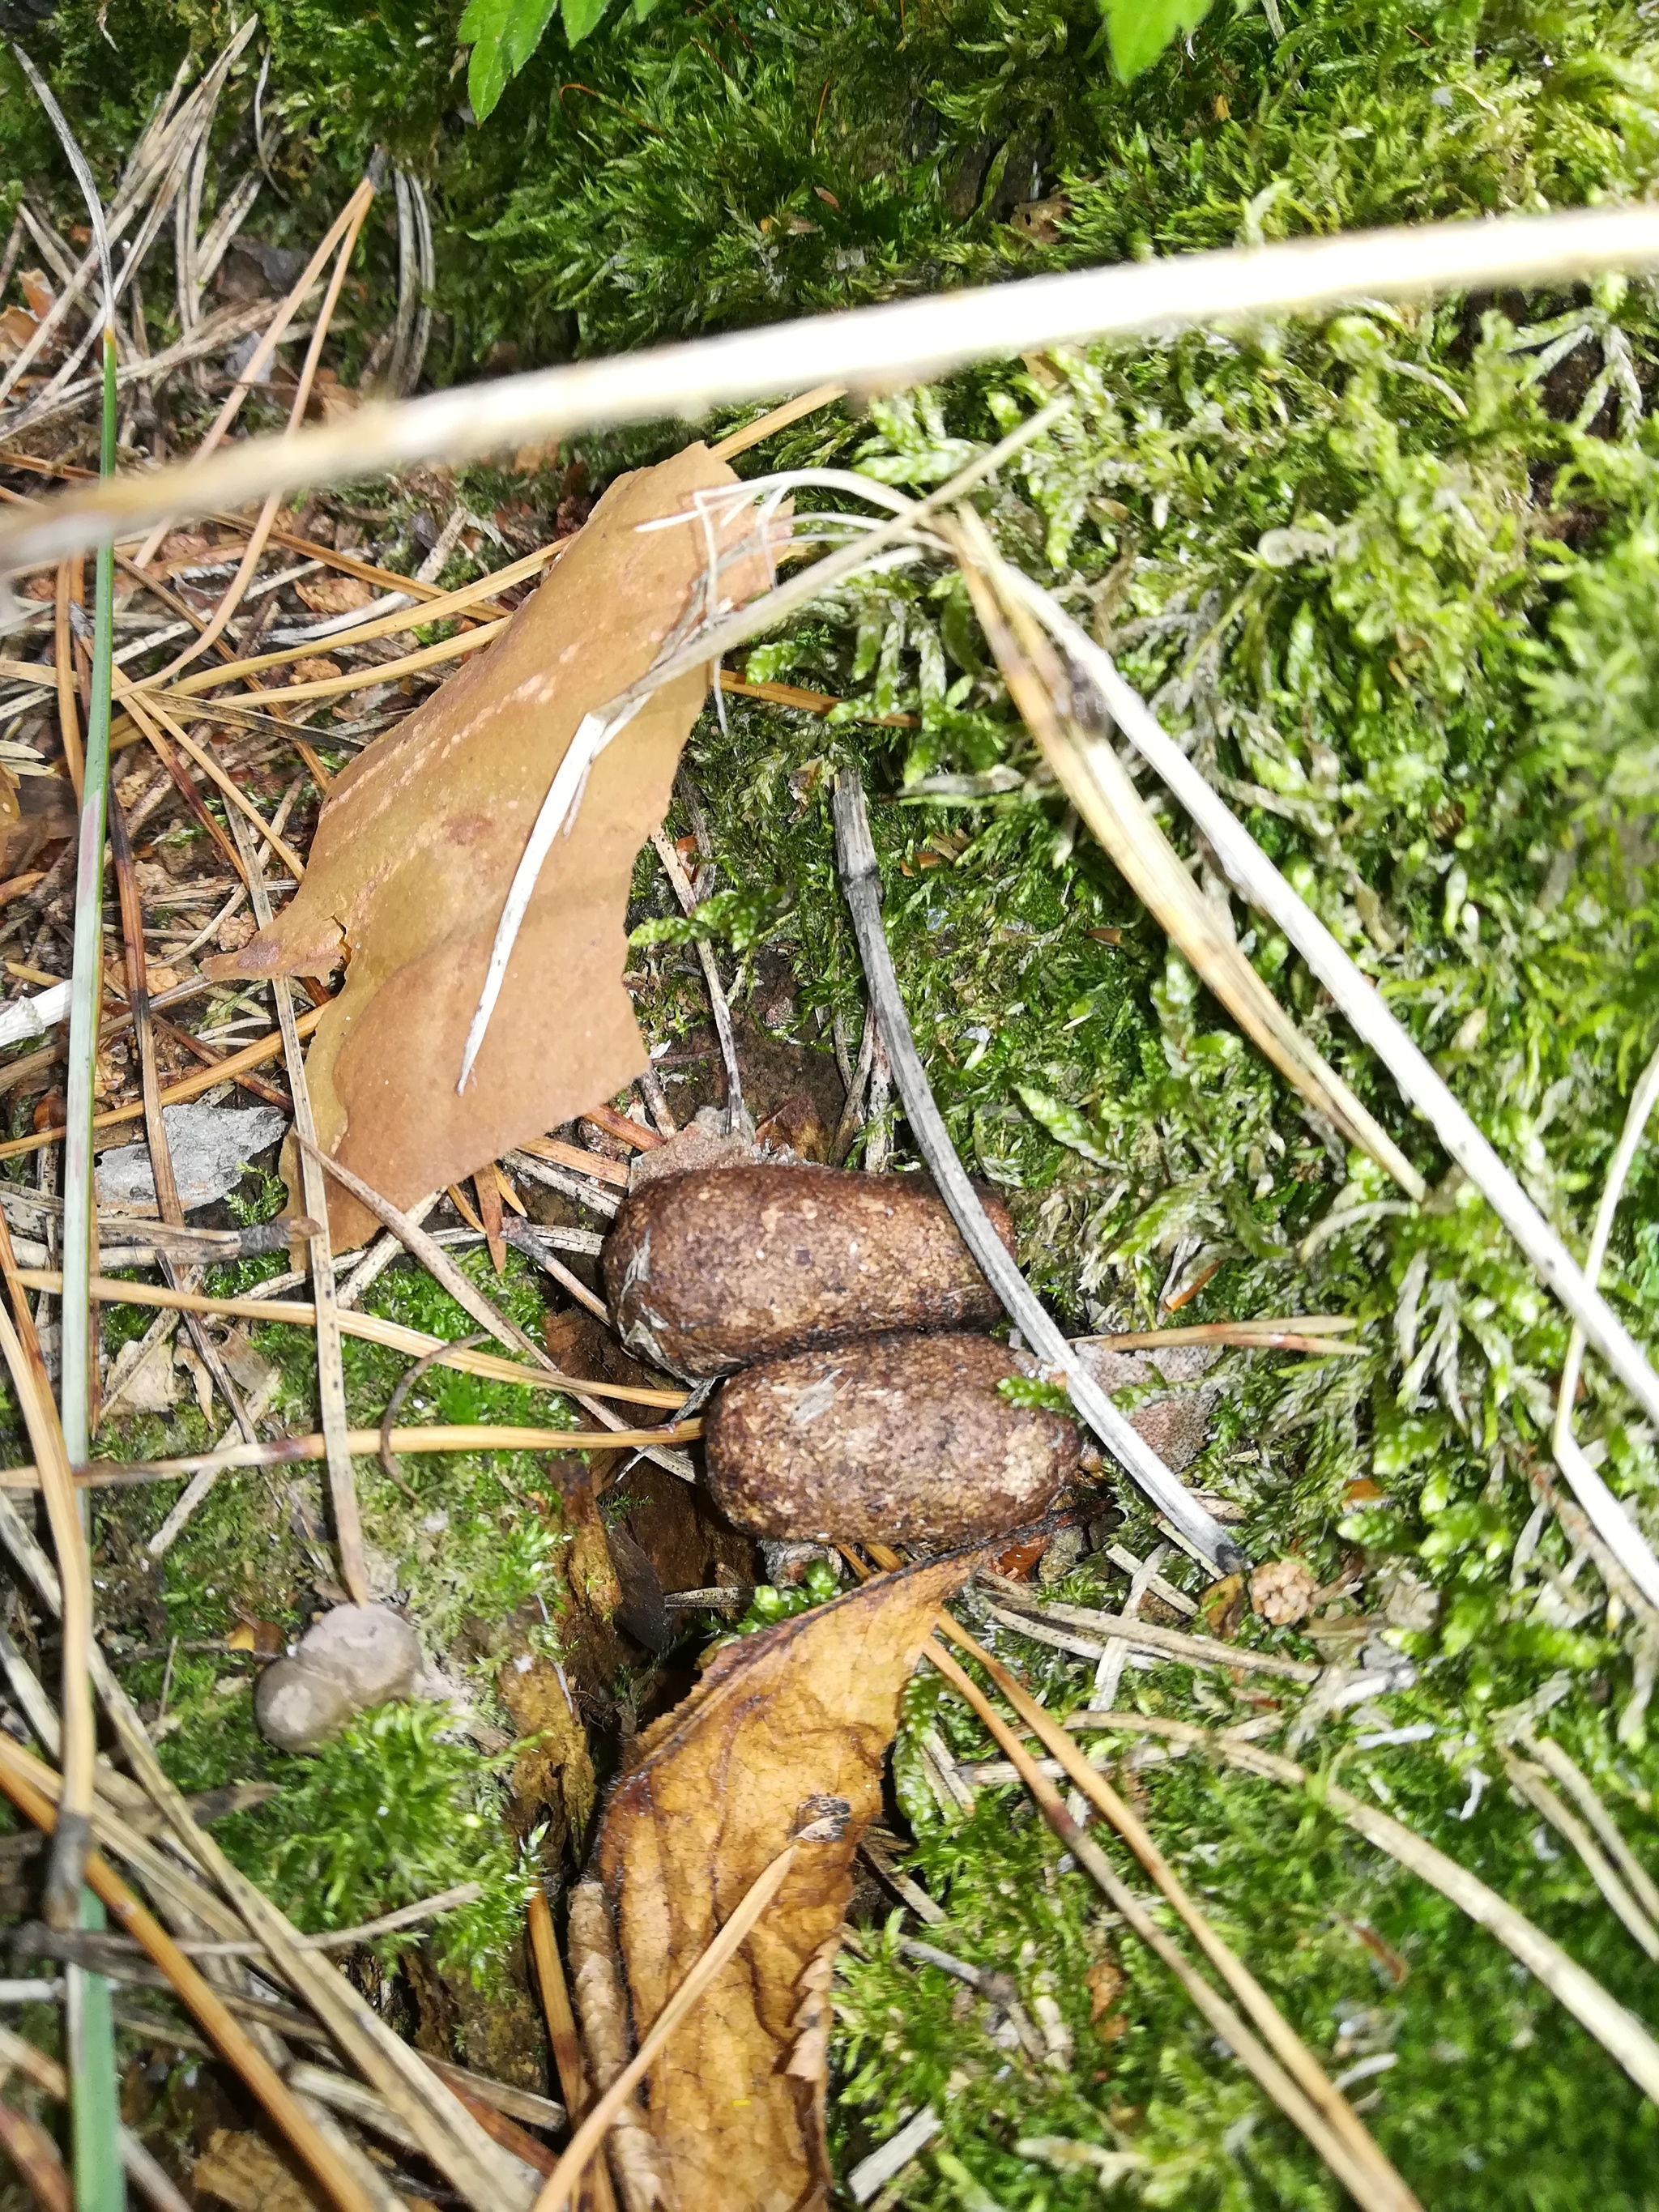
(418, 842)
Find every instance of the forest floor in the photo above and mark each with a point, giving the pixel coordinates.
(1391, 578)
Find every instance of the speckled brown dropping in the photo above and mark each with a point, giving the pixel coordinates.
(904, 1439)
(710, 1270)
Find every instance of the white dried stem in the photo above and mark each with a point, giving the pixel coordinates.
(867, 348)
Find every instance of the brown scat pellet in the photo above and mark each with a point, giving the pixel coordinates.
(903, 1439)
(709, 1270)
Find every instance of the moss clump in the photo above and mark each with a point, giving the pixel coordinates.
(391, 1813)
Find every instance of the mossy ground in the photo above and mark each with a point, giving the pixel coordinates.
(1393, 578)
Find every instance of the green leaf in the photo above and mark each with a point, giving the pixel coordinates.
(1140, 30)
(503, 34)
(1064, 1123)
(581, 16)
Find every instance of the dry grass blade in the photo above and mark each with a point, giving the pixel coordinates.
(147, 726)
(1257, 880)
(1576, 1784)
(473, 2166)
(330, 1370)
(1193, 1650)
(260, 534)
(284, 1451)
(1292, 2053)
(112, 1291)
(147, 2177)
(562, 2039)
(462, 600)
(1616, 1526)
(1309, 1334)
(719, 1007)
(1099, 786)
(141, 706)
(36, 2157)
(1625, 2038)
(1528, 1782)
(430, 1254)
(352, 211)
(71, 591)
(228, 2036)
(589, 2136)
(775, 419)
(21, 1349)
(893, 343)
(443, 1270)
(167, 1202)
(1358, 2176)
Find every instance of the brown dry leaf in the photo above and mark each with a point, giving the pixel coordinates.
(783, 1738)
(335, 595)
(331, 398)
(419, 838)
(238, 2169)
(17, 327)
(1223, 1607)
(38, 293)
(313, 669)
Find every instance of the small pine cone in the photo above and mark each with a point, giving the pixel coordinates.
(1282, 1591)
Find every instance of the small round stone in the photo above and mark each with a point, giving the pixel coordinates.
(356, 1656)
(298, 1707)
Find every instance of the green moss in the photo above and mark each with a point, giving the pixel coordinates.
(391, 1813)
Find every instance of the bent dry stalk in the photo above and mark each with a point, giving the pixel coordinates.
(856, 858)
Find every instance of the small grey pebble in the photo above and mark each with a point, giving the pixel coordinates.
(298, 1707)
(372, 1651)
(356, 1656)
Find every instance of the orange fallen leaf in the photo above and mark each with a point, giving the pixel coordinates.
(419, 839)
(335, 595)
(782, 1741)
(313, 670)
(17, 327)
(331, 399)
(37, 292)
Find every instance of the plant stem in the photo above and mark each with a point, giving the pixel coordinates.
(99, 2185)
(86, 987)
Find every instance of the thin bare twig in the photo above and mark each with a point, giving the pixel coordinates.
(857, 861)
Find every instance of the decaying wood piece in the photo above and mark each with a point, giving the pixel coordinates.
(903, 1439)
(420, 837)
(781, 1742)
